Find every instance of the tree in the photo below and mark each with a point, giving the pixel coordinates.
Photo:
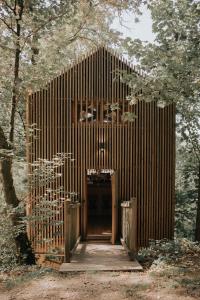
(38, 16)
(186, 191)
(170, 69)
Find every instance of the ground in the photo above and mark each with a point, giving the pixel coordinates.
(101, 285)
(170, 272)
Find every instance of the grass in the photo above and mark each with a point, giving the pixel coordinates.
(136, 289)
(22, 275)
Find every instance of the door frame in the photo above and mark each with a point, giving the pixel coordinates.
(114, 192)
(114, 186)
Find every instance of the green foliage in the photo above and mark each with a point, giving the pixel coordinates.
(50, 202)
(170, 65)
(168, 72)
(168, 251)
(186, 192)
(185, 213)
(8, 250)
(175, 263)
(128, 116)
(22, 274)
(12, 224)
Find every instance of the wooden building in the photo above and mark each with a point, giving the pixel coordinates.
(113, 161)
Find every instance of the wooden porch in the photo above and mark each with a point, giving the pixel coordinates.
(100, 257)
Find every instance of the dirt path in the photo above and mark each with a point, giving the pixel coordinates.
(93, 286)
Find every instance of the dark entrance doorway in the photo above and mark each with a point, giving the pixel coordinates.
(99, 206)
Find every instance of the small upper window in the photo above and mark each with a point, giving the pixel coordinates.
(89, 113)
(108, 114)
(100, 112)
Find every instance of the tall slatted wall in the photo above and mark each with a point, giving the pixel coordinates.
(141, 152)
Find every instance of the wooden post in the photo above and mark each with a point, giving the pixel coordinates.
(28, 157)
(133, 226)
(129, 227)
(67, 231)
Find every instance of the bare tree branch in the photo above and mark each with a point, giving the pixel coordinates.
(82, 37)
(8, 26)
(15, 7)
(22, 120)
(9, 6)
(71, 39)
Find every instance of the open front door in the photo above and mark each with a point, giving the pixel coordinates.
(114, 207)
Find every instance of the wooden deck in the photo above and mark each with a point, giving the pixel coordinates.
(100, 257)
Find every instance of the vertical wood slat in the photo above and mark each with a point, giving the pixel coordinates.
(67, 220)
(142, 152)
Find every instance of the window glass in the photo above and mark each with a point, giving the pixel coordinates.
(89, 113)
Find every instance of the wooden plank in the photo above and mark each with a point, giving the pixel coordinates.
(130, 254)
(100, 257)
(67, 231)
(114, 207)
(75, 246)
(133, 233)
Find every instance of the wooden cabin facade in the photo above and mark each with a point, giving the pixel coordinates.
(113, 161)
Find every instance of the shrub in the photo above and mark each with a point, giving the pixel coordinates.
(168, 251)
(8, 250)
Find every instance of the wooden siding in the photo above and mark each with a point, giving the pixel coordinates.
(142, 152)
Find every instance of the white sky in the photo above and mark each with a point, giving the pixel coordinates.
(141, 30)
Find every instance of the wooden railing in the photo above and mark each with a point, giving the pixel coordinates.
(71, 228)
(129, 226)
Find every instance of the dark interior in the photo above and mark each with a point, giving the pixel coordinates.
(99, 205)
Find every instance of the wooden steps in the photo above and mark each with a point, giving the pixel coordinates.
(100, 257)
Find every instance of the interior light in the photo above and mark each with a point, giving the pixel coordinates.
(101, 147)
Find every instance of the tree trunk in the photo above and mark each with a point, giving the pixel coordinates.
(15, 91)
(197, 230)
(26, 254)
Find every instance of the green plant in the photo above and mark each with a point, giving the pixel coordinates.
(49, 202)
(8, 259)
(169, 252)
(22, 274)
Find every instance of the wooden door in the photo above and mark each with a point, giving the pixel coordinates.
(114, 207)
(84, 209)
